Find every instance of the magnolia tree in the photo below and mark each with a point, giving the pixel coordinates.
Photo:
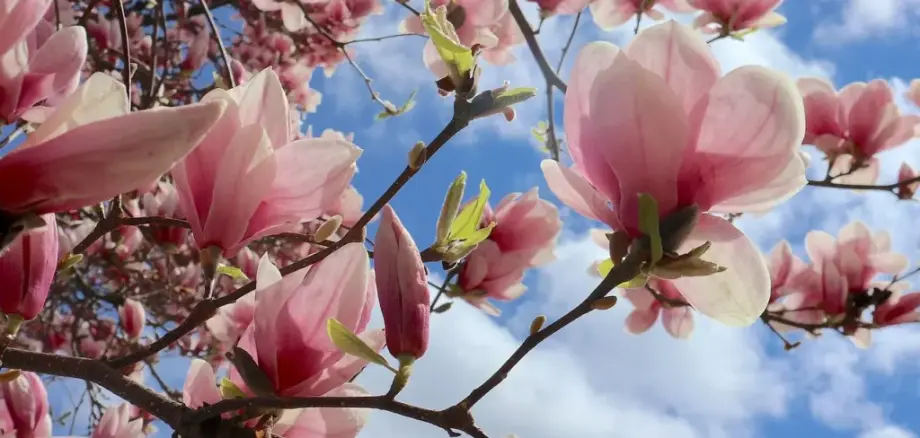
(162, 198)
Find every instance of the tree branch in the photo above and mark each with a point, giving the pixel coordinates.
(621, 273)
(551, 77)
(885, 188)
(228, 73)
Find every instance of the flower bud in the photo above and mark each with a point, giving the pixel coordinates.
(418, 155)
(537, 324)
(27, 268)
(402, 287)
(328, 228)
(133, 318)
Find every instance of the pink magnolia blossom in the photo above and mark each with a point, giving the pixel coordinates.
(524, 236)
(288, 336)
(657, 118)
(677, 320)
(854, 125)
(729, 16)
(91, 149)
(846, 265)
(117, 422)
(898, 309)
(164, 201)
(609, 14)
(133, 317)
(27, 268)
(24, 409)
(197, 35)
(402, 283)
(785, 270)
(907, 190)
(38, 63)
(247, 180)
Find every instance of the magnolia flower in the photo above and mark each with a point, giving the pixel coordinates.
(37, 63)
(132, 317)
(27, 268)
(907, 190)
(785, 270)
(729, 16)
(117, 423)
(676, 319)
(524, 236)
(91, 149)
(24, 410)
(656, 118)
(609, 14)
(402, 283)
(247, 180)
(288, 336)
(164, 201)
(854, 125)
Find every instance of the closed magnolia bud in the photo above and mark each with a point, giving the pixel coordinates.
(537, 324)
(604, 303)
(27, 268)
(328, 228)
(133, 318)
(418, 155)
(402, 288)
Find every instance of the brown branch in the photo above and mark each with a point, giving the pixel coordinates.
(623, 272)
(551, 77)
(97, 372)
(114, 220)
(885, 188)
(228, 73)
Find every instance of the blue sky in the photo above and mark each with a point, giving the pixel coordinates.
(594, 380)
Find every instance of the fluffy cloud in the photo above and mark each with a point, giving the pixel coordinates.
(592, 379)
(863, 19)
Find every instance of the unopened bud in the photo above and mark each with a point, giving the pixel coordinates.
(509, 114)
(418, 155)
(327, 229)
(537, 324)
(604, 303)
(450, 208)
(9, 375)
(443, 307)
(132, 68)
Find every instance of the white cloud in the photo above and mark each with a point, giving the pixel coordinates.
(864, 19)
(591, 379)
(888, 432)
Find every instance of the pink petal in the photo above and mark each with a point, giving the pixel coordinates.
(608, 14)
(677, 53)
(638, 126)
(640, 298)
(738, 296)
(200, 385)
(245, 173)
(639, 321)
(751, 128)
(820, 246)
(823, 109)
(312, 175)
(100, 97)
(94, 162)
(678, 322)
(593, 61)
(264, 101)
(573, 190)
(346, 368)
(16, 22)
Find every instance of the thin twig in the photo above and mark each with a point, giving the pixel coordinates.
(885, 188)
(228, 73)
(551, 77)
(621, 273)
(125, 46)
(382, 38)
